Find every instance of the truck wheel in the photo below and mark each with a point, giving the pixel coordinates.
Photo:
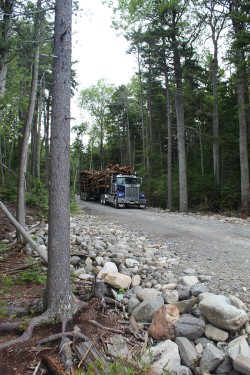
(87, 197)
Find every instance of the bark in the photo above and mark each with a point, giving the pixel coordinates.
(240, 63)
(183, 196)
(142, 113)
(169, 127)
(26, 136)
(58, 295)
(7, 8)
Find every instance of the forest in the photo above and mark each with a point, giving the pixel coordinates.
(182, 122)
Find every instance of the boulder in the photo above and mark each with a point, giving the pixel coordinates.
(145, 310)
(189, 327)
(220, 312)
(117, 280)
(163, 323)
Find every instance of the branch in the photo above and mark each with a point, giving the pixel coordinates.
(20, 229)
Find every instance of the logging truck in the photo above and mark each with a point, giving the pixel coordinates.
(116, 185)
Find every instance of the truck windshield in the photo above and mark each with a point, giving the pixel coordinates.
(127, 180)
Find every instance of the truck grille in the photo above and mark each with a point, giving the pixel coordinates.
(132, 192)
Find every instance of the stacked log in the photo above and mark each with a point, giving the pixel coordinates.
(92, 179)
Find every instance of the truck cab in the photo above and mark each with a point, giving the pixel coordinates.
(124, 191)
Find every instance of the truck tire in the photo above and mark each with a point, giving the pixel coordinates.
(103, 200)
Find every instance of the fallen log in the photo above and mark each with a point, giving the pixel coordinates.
(23, 232)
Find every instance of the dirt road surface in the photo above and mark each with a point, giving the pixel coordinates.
(212, 244)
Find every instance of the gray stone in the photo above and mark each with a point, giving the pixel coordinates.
(118, 347)
(185, 306)
(145, 310)
(189, 327)
(220, 312)
(133, 302)
(211, 358)
(136, 281)
(225, 367)
(242, 364)
(238, 346)
(125, 271)
(198, 289)
(129, 262)
(181, 370)
(203, 341)
(187, 351)
(74, 260)
(146, 293)
(183, 292)
(189, 280)
(170, 296)
(215, 333)
(166, 354)
(108, 267)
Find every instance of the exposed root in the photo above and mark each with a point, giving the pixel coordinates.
(7, 327)
(38, 320)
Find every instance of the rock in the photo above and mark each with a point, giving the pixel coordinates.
(215, 333)
(118, 347)
(117, 280)
(129, 262)
(189, 280)
(108, 267)
(203, 341)
(79, 271)
(187, 351)
(189, 327)
(170, 296)
(242, 364)
(136, 281)
(238, 346)
(237, 303)
(185, 305)
(75, 260)
(145, 310)
(184, 292)
(220, 312)
(198, 289)
(225, 367)
(180, 370)
(133, 302)
(125, 271)
(146, 293)
(163, 323)
(167, 357)
(211, 358)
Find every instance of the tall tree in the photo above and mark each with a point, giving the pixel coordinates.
(96, 100)
(239, 13)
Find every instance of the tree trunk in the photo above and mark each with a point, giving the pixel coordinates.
(169, 127)
(215, 113)
(183, 196)
(58, 296)
(7, 8)
(244, 165)
(25, 145)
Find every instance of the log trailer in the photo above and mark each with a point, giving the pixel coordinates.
(116, 185)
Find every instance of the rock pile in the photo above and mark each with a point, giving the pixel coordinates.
(193, 330)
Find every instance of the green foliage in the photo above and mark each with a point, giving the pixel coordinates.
(5, 284)
(3, 308)
(37, 196)
(3, 248)
(31, 276)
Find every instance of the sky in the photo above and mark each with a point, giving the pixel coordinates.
(98, 49)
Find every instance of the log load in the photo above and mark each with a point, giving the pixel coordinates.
(92, 179)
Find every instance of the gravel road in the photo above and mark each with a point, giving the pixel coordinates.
(213, 245)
